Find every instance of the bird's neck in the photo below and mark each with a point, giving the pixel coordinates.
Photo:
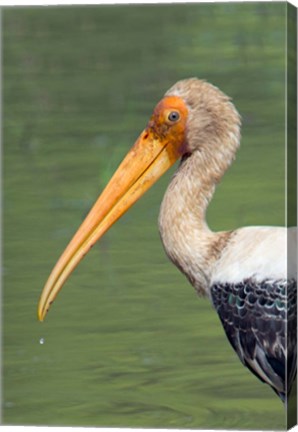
(186, 237)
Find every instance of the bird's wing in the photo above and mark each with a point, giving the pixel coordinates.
(258, 318)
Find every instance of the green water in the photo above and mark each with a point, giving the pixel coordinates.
(127, 343)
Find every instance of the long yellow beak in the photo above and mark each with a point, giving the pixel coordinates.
(147, 160)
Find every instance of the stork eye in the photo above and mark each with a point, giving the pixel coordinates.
(173, 116)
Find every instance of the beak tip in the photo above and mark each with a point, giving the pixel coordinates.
(40, 314)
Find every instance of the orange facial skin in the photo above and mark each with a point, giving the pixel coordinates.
(155, 151)
(164, 128)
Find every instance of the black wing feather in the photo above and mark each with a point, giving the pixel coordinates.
(258, 319)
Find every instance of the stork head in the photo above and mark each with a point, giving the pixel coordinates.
(193, 116)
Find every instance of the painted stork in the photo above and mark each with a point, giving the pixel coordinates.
(249, 273)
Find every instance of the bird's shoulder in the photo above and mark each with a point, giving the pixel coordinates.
(259, 253)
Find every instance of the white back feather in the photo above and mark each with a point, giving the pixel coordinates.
(259, 253)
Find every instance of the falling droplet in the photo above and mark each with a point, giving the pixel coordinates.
(41, 341)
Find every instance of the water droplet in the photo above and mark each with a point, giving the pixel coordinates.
(41, 341)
